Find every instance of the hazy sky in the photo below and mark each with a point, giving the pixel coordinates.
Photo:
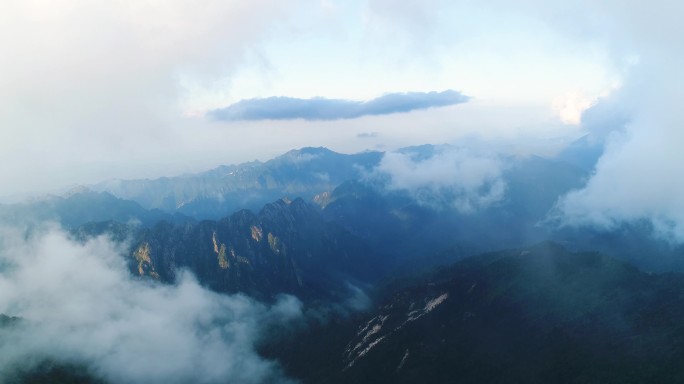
(91, 90)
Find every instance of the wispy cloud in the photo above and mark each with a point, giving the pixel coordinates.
(319, 108)
(443, 177)
(82, 307)
(638, 176)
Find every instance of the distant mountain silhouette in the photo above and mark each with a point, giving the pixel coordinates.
(226, 189)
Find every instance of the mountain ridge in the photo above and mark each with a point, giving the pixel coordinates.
(227, 188)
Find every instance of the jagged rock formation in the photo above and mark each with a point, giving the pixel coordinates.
(286, 248)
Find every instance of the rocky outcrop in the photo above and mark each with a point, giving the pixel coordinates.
(286, 248)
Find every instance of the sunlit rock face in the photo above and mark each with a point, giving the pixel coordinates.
(285, 248)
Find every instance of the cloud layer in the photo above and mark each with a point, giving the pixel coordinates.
(81, 306)
(449, 177)
(319, 108)
(121, 88)
(639, 175)
(94, 84)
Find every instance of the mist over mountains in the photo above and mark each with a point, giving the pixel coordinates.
(372, 191)
(403, 201)
(534, 315)
(223, 190)
(348, 265)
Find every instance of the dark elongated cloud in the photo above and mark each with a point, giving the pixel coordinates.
(367, 135)
(319, 108)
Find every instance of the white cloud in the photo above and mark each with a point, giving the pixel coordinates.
(98, 89)
(452, 177)
(571, 105)
(81, 306)
(89, 87)
(639, 175)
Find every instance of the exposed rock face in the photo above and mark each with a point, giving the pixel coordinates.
(142, 257)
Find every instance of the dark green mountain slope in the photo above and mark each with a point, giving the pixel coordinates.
(394, 221)
(537, 315)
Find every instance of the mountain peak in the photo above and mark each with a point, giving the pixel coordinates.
(311, 150)
(305, 154)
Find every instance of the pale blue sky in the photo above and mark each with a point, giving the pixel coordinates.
(93, 90)
(357, 50)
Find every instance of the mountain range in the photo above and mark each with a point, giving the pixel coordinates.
(395, 289)
(225, 189)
